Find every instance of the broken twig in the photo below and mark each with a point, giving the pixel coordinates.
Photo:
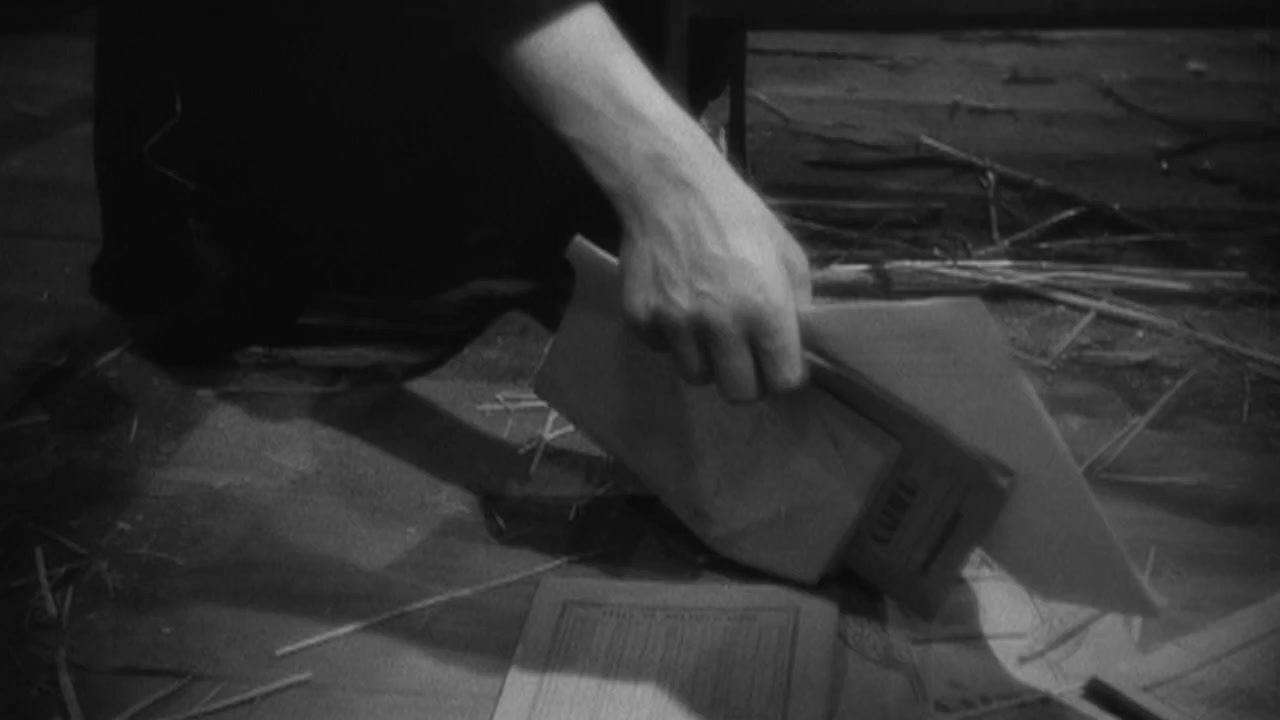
(208, 698)
(764, 101)
(991, 184)
(1133, 314)
(151, 700)
(1186, 481)
(67, 688)
(59, 538)
(46, 591)
(244, 697)
(1146, 238)
(1114, 447)
(1021, 178)
(805, 128)
(1135, 629)
(55, 574)
(1030, 358)
(28, 421)
(511, 406)
(543, 439)
(1040, 228)
(65, 611)
(946, 276)
(110, 355)
(355, 627)
(144, 552)
(1074, 333)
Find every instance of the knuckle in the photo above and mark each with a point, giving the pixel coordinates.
(706, 319)
(743, 314)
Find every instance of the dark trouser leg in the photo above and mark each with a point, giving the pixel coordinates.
(144, 254)
(160, 265)
(331, 154)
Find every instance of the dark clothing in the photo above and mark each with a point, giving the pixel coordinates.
(251, 161)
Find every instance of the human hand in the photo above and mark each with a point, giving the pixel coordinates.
(708, 272)
(710, 275)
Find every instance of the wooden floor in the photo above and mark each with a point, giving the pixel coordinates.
(192, 522)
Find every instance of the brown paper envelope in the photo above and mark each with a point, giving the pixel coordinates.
(777, 485)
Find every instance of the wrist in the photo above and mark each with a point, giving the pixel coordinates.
(658, 163)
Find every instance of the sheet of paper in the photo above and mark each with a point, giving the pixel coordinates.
(1229, 671)
(613, 649)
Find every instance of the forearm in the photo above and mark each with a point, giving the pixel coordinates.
(585, 79)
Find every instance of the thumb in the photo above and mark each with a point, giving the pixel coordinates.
(797, 265)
